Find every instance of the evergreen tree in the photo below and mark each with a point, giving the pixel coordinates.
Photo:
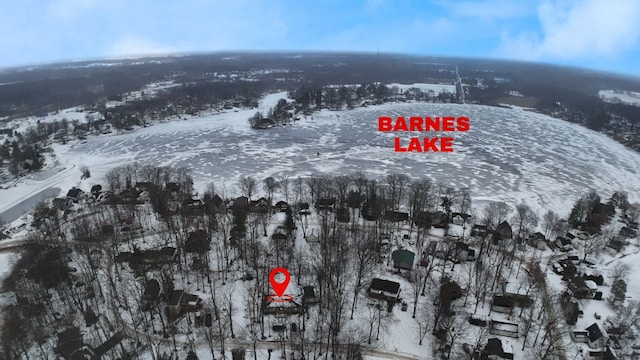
(288, 221)
(618, 291)
(578, 213)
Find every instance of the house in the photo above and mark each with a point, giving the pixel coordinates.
(422, 219)
(282, 206)
(503, 231)
(537, 240)
(280, 233)
(240, 203)
(593, 336)
(593, 275)
(259, 206)
(62, 204)
(197, 242)
(616, 244)
(516, 293)
(72, 347)
(459, 218)
(309, 296)
(181, 302)
(627, 232)
(502, 304)
(343, 215)
(439, 219)
(464, 252)
(503, 328)
(238, 354)
(172, 187)
(372, 210)
(478, 320)
(128, 196)
(263, 123)
(213, 203)
(497, 349)
(564, 244)
(304, 208)
(396, 216)
(437, 249)
(479, 230)
(325, 204)
(193, 207)
(150, 257)
(74, 194)
(581, 288)
(403, 259)
(384, 289)
(144, 185)
(281, 307)
(606, 354)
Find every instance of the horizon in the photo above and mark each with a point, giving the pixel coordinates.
(151, 57)
(587, 35)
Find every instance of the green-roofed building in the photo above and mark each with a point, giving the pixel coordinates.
(403, 259)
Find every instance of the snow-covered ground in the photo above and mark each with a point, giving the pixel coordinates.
(426, 87)
(626, 97)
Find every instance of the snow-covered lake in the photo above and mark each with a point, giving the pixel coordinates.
(508, 154)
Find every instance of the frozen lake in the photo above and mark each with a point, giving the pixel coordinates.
(508, 154)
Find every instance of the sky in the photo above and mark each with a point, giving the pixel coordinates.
(595, 34)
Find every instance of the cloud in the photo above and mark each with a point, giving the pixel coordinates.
(589, 29)
(135, 46)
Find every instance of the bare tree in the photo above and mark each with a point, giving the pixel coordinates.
(247, 185)
(284, 182)
(423, 318)
(627, 317)
(550, 223)
(342, 184)
(595, 243)
(525, 218)
(270, 185)
(464, 206)
(365, 254)
(495, 213)
(396, 184)
(620, 271)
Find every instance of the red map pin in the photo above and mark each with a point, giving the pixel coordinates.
(279, 287)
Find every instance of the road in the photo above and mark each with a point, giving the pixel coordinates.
(27, 204)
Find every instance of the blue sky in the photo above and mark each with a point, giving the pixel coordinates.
(597, 34)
